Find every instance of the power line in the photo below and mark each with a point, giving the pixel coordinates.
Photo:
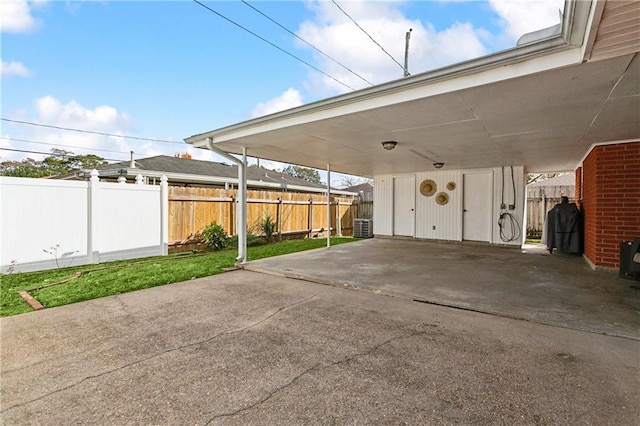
(306, 42)
(273, 45)
(368, 35)
(89, 131)
(49, 153)
(64, 146)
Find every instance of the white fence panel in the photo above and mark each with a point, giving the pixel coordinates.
(45, 224)
(133, 221)
(38, 215)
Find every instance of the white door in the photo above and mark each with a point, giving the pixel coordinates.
(478, 198)
(404, 193)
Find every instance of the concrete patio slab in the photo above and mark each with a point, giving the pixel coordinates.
(248, 348)
(529, 283)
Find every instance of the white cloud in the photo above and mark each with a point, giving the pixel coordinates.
(333, 33)
(17, 69)
(51, 110)
(15, 16)
(519, 17)
(104, 119)
(289, 99)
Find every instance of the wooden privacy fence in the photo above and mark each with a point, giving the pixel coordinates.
(537, 209)
(365, 209)
(296, 215)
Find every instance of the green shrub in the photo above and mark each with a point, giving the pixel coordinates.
(268, 227)
(215, 237)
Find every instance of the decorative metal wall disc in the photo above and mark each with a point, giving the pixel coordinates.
(442, 198)
(428, 187)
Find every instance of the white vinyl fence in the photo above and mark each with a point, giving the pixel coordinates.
(46, 223)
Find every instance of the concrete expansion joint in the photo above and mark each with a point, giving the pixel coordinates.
(327, 282)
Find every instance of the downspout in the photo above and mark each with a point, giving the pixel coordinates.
(242, 197)
(328, 205)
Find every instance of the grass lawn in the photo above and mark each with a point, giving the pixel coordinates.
(111, 278)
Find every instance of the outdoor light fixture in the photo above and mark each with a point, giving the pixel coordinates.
(389, 145)
(438, 165)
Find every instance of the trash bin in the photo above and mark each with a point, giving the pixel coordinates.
(629, 269)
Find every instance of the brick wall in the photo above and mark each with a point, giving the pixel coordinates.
(578, 191)
(610, 200)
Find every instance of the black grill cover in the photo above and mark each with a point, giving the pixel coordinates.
(564, 228)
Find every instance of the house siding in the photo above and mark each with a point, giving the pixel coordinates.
(518, 199)
(439, 222)
(383, 205)
(618, 30)
(610, 201)
(447, 219)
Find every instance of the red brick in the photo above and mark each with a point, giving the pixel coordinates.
(609, 184)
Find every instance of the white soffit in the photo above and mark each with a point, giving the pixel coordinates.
(543, 112)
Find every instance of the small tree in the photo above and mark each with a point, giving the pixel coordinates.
(537, 177)
(59, 162)
(348, 181)
(304, 173)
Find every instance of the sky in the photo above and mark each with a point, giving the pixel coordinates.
(166, 70)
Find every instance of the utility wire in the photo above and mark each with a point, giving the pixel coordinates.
(271, 44)
(50, 153)
(306, 42)
(368, 35)
(88, 131)
(64, 146)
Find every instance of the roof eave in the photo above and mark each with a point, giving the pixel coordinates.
(575, 19)
(202, 179)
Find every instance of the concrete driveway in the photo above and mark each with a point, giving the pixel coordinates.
(249, 348)
(530, 284)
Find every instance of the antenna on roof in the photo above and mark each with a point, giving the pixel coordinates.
(406, 53)
(132, 164)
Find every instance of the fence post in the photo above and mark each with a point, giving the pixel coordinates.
(93, 218)
(279, 218)
(233, 216)
(310, 217)
(338, 219)
(164, 214)
(192, 217)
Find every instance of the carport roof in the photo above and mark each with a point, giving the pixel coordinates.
(542, 105)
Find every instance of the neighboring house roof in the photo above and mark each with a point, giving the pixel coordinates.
(365, 189)
(556, 187)
(182, 170)
(541, 104)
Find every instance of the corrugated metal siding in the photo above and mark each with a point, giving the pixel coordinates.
(383, 205)
(446, 219)
(619, 30)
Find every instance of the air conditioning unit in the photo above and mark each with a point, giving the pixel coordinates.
(363, 228)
